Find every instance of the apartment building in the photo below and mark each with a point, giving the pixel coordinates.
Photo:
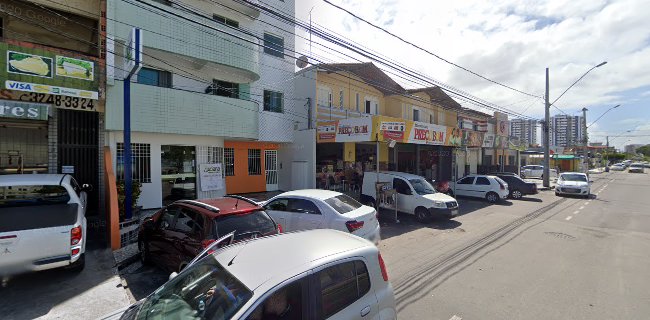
(566, 130)
(213, 91)
(525, 130)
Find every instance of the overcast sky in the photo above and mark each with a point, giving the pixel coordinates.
(512, 42)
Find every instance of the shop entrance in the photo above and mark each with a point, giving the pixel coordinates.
(178, 172)
(23, 147)
(271, 169)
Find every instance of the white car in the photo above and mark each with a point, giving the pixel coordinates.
(617, 167)
(573, 183)
(414, 195)
(490, 188)
(636, 168)
(315, 274)
(42, 223)
(536, 171)
(323, 209)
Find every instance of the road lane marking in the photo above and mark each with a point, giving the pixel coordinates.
(586, 203)
(568, 218)
(581, 208)
(576, 212)
(455, 317)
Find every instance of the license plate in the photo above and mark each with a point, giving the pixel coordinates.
(454, 212)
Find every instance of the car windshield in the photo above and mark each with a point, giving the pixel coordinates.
(422, 186)
(203, 291)
(636, 165)
(343, 203)
(250, 225)
(36, 195)
(573, 177)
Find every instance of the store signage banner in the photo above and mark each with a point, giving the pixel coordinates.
(393, 130)
(503, 128)
(211, 176)
(454, 137)
(501, 142)
(488, 140)
(40, 71)
(23, 110)
(345, 130)
(426, 133)
(472, 138)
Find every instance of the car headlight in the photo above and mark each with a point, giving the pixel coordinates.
(439, 204)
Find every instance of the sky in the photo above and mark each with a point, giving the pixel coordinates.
(512, 42)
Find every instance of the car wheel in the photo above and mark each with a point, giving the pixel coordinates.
(516, 194)
(492, 197)
(78, 265)
(557, 194)
(144, 253)
(422, 215)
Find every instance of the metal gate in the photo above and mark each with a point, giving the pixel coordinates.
(78, 140)
(271, 166)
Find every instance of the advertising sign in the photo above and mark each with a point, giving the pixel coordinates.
(37, 70)
(503, 128)
(64, 102)
(472, 138)
(393, 130)
(211, 176)
(426, 133)
(501, 142)
(454, 137)
(345, 130)
(23, 110)
(488, 140)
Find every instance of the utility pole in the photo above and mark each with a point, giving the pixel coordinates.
(547, 115)
(585, 140)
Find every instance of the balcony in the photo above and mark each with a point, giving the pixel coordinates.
(167, 110)
(163, 32)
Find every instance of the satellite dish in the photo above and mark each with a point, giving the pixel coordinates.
(302, 62)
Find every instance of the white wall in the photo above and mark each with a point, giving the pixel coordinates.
(302, 149)
(151, 196)
(304, 83)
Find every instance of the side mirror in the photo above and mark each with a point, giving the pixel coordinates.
(86, 187)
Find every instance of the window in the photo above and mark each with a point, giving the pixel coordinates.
(189, 221)
(256, 223)
(416, 115)
(466, 180)
(401, 186)
(75, 186)
(153, 77)
(324, 96)
(167, 217)
(140, 162)
(343, 203)
(341, 99)
(226, 21)
(341, 285)
(330, 99)
(303, 206)
(441, 117)
(289, 302)
(224, 89)
(430, 118)
(278, 205)
(482, 181)
(273, 45)
(229, 161)
(273, 101)
(368, 109)
(254, 162)
(36, 195)
(357, 102)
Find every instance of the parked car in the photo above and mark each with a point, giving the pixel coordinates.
(536, 171)
(323, 209)
(315, 274)
(490, 188)
(415, 195)
(503, 173)
(42, 223)
(517, 187)
(636, 168)
(617, 167)
(573, 183)
(177, 233)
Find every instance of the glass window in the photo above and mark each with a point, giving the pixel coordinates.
(273, 45)
(368, 108)
(285, 303)
(401, 186)
(343, 203)
(303, 206)
(466, 180)
(273, 101)
(573, 177)
(224, 89)
(226, 21)
(422, 186)
(482, 181)
(416, 115)
(341, 99)
(357, 102)
(254, 162)
(204, 289)
(229, 161)
(341, 285)
(153, 77)
(278, 205)
(37, 195)
(75, 186)
(167, 217)
(254, 224)
(140, 162)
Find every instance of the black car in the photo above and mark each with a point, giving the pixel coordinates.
(518, 187)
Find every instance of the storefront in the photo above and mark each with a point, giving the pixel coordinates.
(250, 166)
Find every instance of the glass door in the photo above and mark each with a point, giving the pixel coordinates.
(178, 172)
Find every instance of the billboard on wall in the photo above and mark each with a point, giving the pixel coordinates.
(37, 75)
(426, 133)
(488, 140)
(472, 138)
(344, 130)
(394, 130)
(454, 137)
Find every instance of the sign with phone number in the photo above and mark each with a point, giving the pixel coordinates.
(63, 102)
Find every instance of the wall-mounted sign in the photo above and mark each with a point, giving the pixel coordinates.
(22, 110)
(67, 169)
(63, 102)
(393, 130)
(488, 140)
(75, 68)
(29, 64)
(454, 137)
(211, 176)
(426, 133)
(472, 138)
(345, 130)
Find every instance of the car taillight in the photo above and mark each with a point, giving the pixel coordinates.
(75, 251)
(279, 228)
(75, 235)
(354, 225)
(382, 266)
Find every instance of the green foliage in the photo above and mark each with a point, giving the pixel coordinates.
(136, 190)
(614, 156)
(645, 150)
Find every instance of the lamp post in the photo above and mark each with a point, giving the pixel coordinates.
(547, 109)
(604, 113)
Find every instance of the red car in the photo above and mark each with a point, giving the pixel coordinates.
(173, 236)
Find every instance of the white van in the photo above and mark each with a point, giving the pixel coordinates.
(414, 195)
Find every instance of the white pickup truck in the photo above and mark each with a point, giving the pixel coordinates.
(42, 223)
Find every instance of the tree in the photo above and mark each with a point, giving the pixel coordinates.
(645, 150)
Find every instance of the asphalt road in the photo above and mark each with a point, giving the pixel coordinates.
(558, 258)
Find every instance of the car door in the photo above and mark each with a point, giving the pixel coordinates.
(289, 300)
(181, 239)
(190, 224)
(482, 186)
(343, 291)
(278, 209)
(160, 243)
(304, 215)
(404, 192)
(465, 187)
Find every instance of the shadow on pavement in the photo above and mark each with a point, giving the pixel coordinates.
(143, 280)
(407, 223)
(528, 199)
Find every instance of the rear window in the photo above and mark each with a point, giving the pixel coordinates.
(343, 203)
(250, 225)
(38, 195)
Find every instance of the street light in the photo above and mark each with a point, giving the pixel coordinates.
(547, 115)
(604, 113)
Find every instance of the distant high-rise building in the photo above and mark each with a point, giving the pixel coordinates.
(631, 148)
(525, 130)
(566, 131)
